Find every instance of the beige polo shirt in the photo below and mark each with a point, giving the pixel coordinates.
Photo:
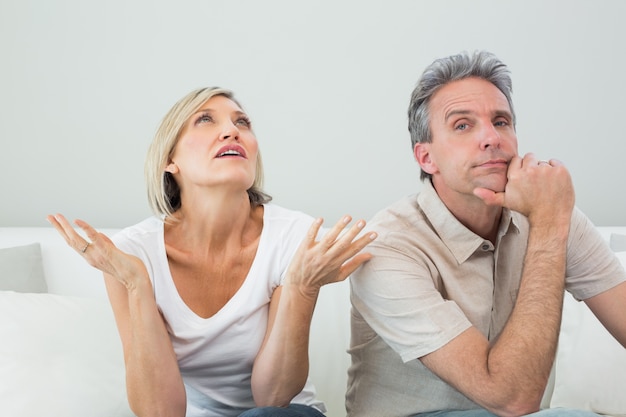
(429, 280)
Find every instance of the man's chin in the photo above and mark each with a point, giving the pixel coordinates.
(496, 187)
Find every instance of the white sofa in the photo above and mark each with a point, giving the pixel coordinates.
(60, 354)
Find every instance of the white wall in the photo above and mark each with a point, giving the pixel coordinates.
(84, 84)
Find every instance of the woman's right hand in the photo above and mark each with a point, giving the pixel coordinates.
(153, 380)
(99, 251)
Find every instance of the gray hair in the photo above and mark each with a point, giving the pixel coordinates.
(480, 64)
(163, 191)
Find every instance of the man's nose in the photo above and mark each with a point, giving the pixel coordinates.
(490, 137)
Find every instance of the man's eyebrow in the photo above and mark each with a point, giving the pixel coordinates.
(462, 112)
(456, 112)
(504, 113)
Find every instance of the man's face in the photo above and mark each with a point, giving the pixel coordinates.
(473, 138)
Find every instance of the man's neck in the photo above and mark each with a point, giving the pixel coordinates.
(473, 213)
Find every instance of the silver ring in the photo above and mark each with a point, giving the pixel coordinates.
(85, 248)
(543, 161)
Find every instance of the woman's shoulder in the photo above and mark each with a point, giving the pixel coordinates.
(278, 220)
(278, 213)
(142, 231)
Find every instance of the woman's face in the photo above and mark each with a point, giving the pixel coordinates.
(217, 148)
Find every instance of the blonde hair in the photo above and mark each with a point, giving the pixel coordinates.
(163, 191)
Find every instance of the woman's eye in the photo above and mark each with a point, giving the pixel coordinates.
(243, 121)
(205, 118)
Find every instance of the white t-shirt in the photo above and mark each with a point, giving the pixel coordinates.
(215, 354)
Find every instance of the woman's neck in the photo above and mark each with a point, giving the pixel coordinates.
(216, 221)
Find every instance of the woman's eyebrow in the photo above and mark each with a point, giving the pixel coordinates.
(204, 110)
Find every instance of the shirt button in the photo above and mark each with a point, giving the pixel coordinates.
(485, 246)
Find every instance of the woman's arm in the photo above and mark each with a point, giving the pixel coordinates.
(282, 364)
(153, 381)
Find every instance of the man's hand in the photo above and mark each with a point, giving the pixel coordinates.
(540, 190)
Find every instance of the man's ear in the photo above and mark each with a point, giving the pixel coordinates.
(421, 152)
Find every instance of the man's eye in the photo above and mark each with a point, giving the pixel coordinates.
(461, 126)
(501, 123)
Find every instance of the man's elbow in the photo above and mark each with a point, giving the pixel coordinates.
(520, 406)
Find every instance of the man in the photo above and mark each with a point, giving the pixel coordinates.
(459, 310)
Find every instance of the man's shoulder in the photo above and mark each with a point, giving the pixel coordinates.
(399, 214)
(402, 227)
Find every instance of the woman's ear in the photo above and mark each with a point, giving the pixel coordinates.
(172, 168)
(421, 152)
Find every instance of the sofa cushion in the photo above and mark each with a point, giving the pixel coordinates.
(60, 356)
(590, 363)
(618, 242)
(21, 269)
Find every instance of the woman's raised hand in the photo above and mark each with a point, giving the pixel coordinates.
(99, 251)
(331, 259)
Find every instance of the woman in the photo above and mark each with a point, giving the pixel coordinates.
(214, 296)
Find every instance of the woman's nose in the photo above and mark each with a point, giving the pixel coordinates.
(229, 131)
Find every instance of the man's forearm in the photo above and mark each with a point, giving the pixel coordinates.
(529, 340)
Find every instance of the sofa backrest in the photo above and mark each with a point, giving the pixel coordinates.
(64, 270)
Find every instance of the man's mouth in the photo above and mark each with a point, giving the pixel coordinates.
(494, 163)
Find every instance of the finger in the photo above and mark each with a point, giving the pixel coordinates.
(72, 237)
(345, 239)
(352, 264)
(55, 223)
(555, 163)
(64, 228)
(343, 247)
(345, 250)
(313, 231)
(516, 162)
(356, 246)
(515, 165)
(63, 223)
(330, 237)
(91, 233)
(529, 160)
(489, 197)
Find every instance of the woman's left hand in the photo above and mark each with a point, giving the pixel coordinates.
(332, 259)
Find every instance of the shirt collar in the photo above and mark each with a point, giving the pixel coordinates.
(461, 241)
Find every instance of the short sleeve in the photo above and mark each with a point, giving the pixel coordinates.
(396, 295)
(592, 266)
